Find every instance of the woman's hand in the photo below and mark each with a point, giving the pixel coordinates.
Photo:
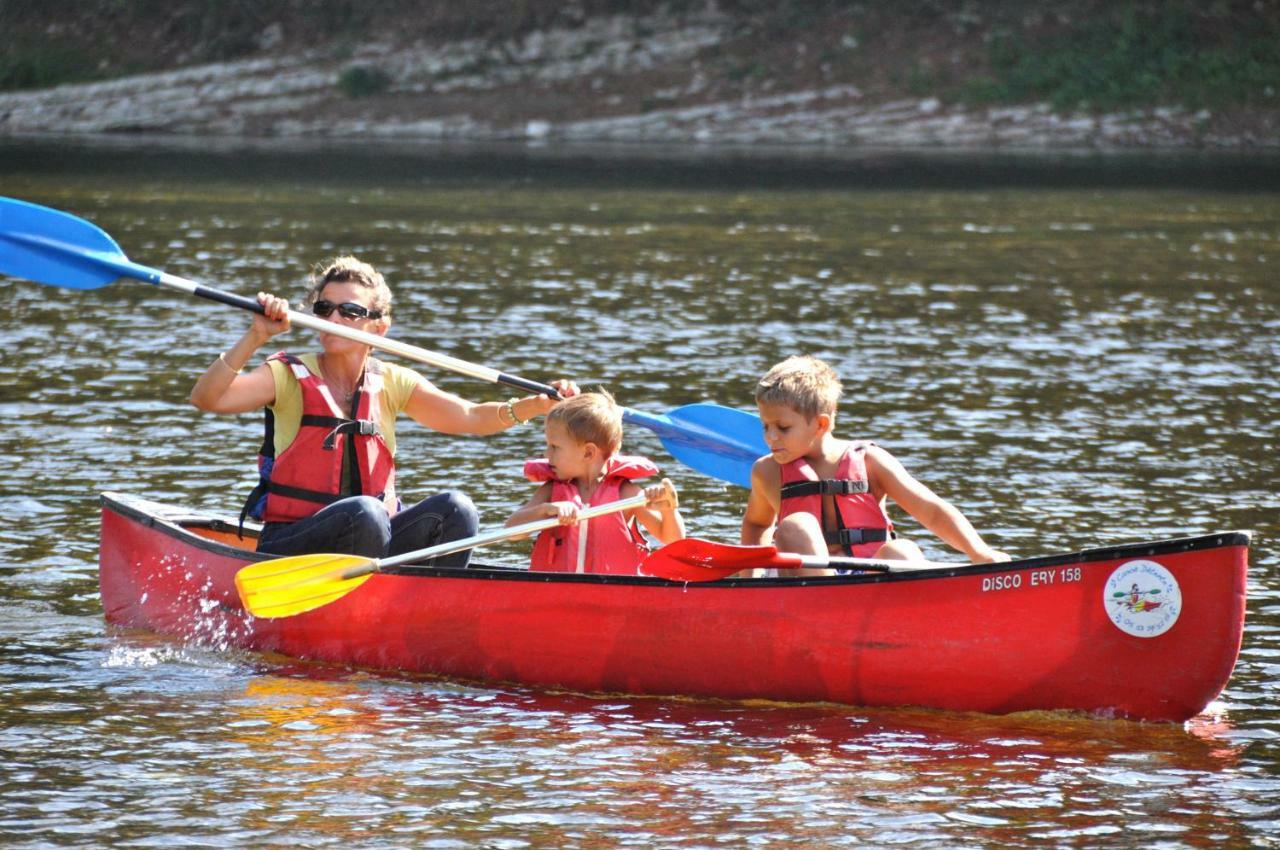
(222, 388)
(274, 318)
(540, 405)
(565, 387)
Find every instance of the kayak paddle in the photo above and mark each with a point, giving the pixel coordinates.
(49, 246)
(692, 559)
(283, 587)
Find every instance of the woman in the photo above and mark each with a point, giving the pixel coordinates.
(327, 464)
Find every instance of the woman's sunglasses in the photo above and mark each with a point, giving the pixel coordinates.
(347, 309)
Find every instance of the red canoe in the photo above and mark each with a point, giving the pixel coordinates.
(1148, 631)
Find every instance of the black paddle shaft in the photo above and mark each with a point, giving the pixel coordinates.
(230, 299)
(526, 384)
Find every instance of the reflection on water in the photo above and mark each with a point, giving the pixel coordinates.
(1070, 367)
(264, 751)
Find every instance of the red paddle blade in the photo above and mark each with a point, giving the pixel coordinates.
(692, 559)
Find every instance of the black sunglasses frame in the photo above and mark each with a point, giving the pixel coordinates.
(347, 309)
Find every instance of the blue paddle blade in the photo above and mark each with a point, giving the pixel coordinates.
(48, 246)
(719, 441)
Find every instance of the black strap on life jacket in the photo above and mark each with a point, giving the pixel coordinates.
(365, 427)
(825, 487)
(847, 537)
(303, 493)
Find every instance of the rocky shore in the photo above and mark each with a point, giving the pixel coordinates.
(611, 79)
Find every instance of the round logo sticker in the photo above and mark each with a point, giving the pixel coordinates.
(1142, 598)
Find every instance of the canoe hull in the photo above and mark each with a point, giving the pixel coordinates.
(1148, 632)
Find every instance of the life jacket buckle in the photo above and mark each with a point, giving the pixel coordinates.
(856, 536)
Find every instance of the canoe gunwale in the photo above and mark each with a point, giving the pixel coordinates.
(176, 523)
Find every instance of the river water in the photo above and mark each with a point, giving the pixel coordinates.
(1074, 352)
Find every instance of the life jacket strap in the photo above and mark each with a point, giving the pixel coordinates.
(363, 427)
(302, 493)
(315, 420)
(825, 487)
(854, 536)
(311, 495)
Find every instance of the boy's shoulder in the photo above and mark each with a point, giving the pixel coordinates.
(863, 446)
(766, 467)
(871, 450)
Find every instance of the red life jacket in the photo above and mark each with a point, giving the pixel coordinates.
(861, 525)
(308, 474)
(613, 545)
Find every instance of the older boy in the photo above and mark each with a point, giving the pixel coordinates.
(815, 494)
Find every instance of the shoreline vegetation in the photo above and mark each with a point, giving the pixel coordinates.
(921, 74)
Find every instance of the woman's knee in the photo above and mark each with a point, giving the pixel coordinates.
(463, 510)
(441, 518)
(369, 520)
(449, 515)
(363, 508)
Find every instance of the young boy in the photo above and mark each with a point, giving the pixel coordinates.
(582, 468)
(825, 495)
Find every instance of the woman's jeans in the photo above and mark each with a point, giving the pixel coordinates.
(359, 525)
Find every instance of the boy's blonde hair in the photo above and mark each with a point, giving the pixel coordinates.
(803, 383)
(350, 270)
(591, 417)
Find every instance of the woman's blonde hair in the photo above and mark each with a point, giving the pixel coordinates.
(592, 417)
(803, 383)
(350, 270)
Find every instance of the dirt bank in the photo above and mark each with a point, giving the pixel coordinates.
(699, 76)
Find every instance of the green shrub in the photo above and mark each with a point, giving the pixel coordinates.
(363, 81)
(40, 67)
(1139, 54)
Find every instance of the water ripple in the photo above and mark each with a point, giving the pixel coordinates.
(1070, 368)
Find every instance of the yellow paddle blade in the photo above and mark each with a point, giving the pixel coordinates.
(283, 587)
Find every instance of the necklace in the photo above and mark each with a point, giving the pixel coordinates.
(329, 379)
(347, 395)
